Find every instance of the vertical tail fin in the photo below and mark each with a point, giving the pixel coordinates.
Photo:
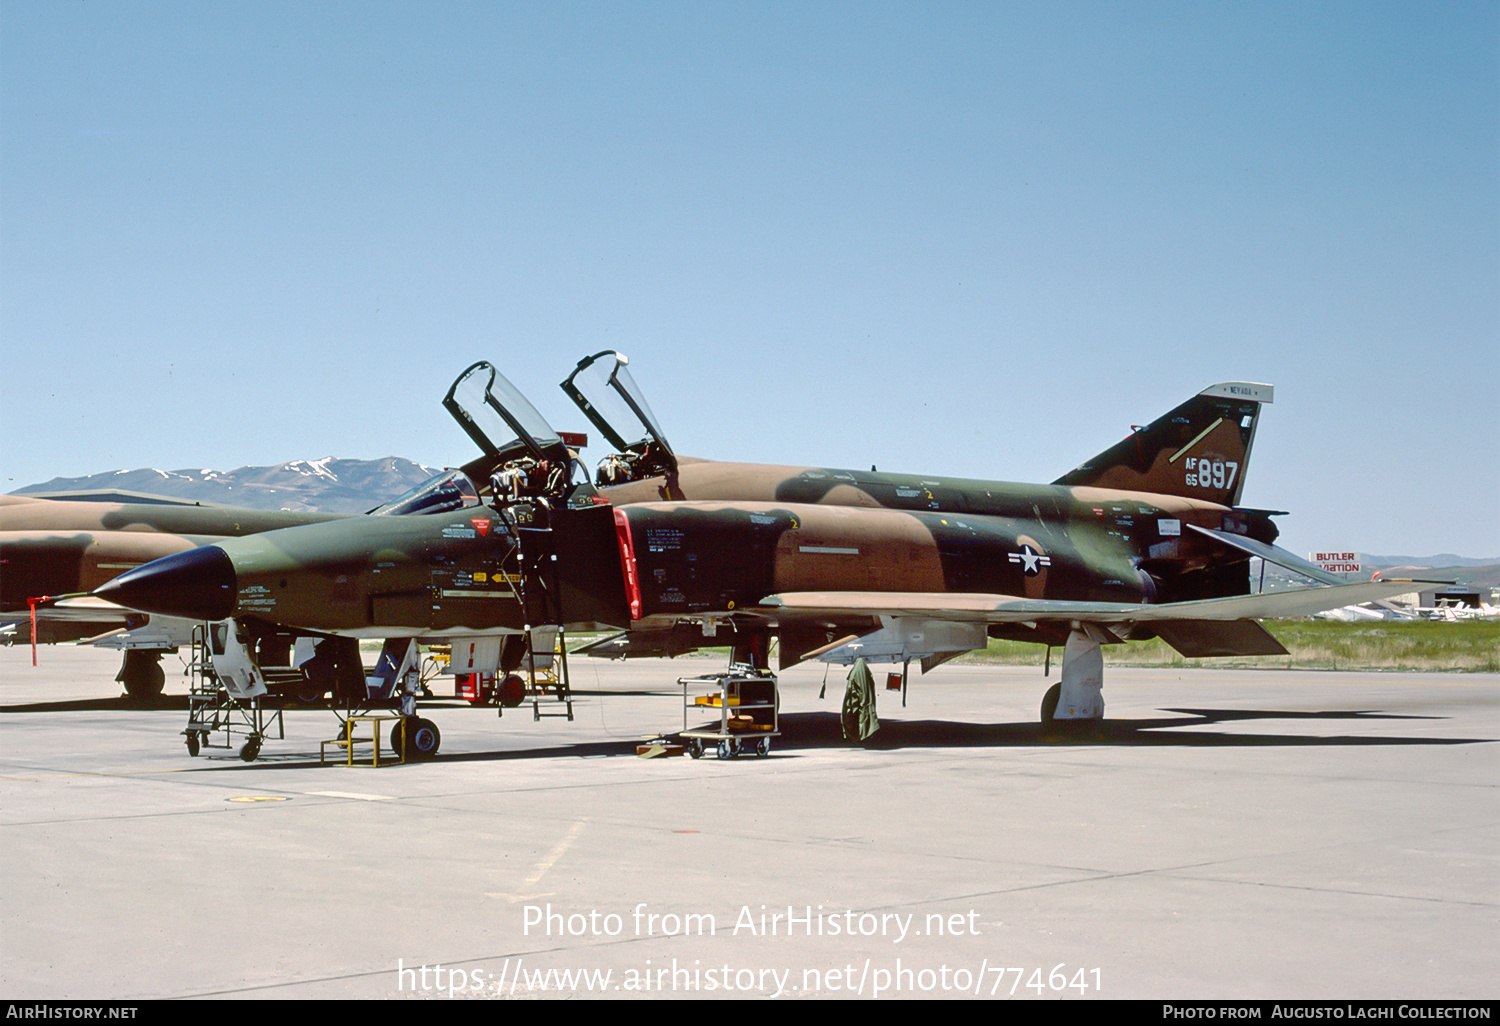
(1198, 450)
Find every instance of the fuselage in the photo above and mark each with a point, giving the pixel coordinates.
(711, 543)
(954, 534)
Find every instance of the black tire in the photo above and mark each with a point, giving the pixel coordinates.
(192, 743)
(695, 747)
(422, 738)
(250, 749)
(142, 675)
(512, 690)
(1063, 728)
(1050, 699)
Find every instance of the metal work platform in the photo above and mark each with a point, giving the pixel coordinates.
(747, 702)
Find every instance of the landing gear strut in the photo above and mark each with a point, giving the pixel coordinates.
(1079, 698)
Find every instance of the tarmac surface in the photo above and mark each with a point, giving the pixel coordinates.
(1225, 834)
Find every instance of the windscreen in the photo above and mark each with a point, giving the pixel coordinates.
(448, 491)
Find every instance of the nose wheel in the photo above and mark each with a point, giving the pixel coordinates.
(416, 738)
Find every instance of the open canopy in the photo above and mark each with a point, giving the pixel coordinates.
(501, 420)
(602, 387)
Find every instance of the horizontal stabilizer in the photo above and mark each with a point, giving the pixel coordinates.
(1271, 554)
(1198, 638)
(1282, 558)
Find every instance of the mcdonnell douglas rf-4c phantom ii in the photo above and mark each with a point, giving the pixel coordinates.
(1147, 539)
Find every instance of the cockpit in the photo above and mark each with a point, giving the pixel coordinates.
(523, 457)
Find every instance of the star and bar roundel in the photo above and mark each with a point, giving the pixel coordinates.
(1031, 560)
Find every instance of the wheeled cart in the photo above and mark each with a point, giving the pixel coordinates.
(746, 701)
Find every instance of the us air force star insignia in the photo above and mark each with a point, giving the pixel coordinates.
(1031, 561)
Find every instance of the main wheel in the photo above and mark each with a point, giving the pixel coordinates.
(1063, 728)
(142, 675)
(1050, 699)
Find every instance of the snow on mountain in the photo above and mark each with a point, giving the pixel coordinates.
(329, 484)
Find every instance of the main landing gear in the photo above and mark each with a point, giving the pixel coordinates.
(1078, 700)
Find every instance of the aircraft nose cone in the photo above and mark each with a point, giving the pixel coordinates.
(196, 585)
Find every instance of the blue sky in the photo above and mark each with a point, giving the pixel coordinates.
(978, 239)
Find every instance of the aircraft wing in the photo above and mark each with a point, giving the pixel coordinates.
(973, 608)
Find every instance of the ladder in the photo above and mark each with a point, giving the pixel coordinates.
(212, 709)
(533, 555)
(551, 673)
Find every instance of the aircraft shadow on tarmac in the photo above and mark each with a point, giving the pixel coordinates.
(124, 703)
(1185, 731)
(821, 730)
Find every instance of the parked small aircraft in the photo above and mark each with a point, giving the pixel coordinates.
(67, 546)
(1145, 540)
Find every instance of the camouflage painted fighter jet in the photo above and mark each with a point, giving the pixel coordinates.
(1145, 540)
(55, 549)
(50, 548)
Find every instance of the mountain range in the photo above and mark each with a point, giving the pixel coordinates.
(328, 485)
